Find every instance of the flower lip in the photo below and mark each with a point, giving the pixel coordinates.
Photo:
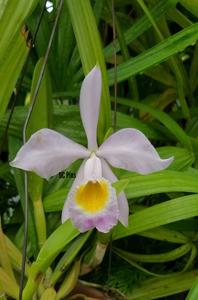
(92, 196)
(100, 210)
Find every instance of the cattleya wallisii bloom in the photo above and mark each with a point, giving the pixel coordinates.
(92, 201)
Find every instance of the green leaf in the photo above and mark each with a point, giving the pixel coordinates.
(15, 256)
(164, 118)
(191, 5)
(160, 182)
(70, 253)
(141, 25)
(8, 285)
(165, 234)
(137, 186)
(126, 121)
(158, 215)
(193, 294)
(41, 116)
(55, 200)
(66, 120)
(120, 185)
(183, 158)
(155, 258)
(157, 54)
(51, 248)
(155, 288)
(12, 17)
(10, 69)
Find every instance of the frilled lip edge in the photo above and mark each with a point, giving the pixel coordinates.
(103, 220)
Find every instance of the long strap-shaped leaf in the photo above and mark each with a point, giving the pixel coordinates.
(156, 288)
(52, 247)
(164, 118)
(12, 17)
(161, 182)
(164, 213)
(10, 70)
(138, 186)
(157, 54)
(155, 258)
(193, 294)
(141, 25)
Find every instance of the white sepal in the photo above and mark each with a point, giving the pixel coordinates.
(90, 105)
(48, 152)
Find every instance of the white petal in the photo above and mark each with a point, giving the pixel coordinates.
(90, 104)
(129, 149)
(93, 169)
(48, 152)
(107, 172)
(123, 209)
(79, 178)
(122, 200)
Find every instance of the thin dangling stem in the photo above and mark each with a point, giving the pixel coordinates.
(35, 94)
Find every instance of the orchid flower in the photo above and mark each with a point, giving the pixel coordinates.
(92, 201)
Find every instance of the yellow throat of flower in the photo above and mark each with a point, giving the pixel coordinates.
(92, 196)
